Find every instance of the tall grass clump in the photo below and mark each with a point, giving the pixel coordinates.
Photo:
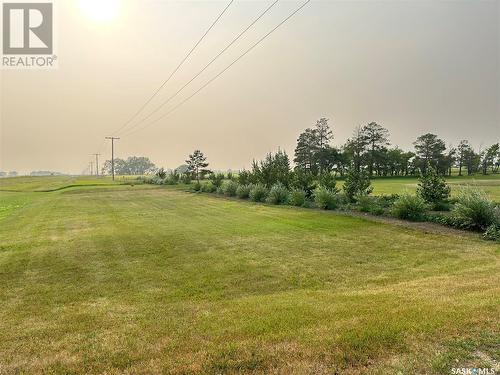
(409, 207)
(229, 188)
(258, 193)
(325, 198)
(474, 210)
(278, 194)
(297, 198)
(243, 191)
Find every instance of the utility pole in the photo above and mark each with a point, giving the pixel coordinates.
(112, 155)
(96, 164)
(91, 168)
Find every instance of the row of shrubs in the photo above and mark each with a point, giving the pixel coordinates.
(471, 210)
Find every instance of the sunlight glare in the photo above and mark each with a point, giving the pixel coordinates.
(100, 10)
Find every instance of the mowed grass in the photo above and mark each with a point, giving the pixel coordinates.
(124, 279)
(53, 183)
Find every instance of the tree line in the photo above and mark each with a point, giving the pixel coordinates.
(369, 149)
(368, 152)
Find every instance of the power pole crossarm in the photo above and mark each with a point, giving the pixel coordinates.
(112, 155)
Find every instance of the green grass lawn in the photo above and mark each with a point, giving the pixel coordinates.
(122, 279)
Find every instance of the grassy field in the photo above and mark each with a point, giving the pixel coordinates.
(138, 279)
(489, 183)
(393, 185)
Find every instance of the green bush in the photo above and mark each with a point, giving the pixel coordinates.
(433, 189)
(186, 179)
(474, 210)
(386, 201)
(492, 233)
(243, 177)
(172, 178)
(161, 173)
(230, 188)
(157, 180)
(219, 190)
(357, 184)
(208, 187)
(217, 179)
(243, 191)
(325, 198)
(410, 207)
(327, 180)
(278, 194)
(304, 181)
(196, 186)
(365, 203)
(258, 193)
(297, 198)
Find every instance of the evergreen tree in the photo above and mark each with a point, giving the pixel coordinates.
(197, 164)
(432, 187)
(376, 138)
(429, 148)
(357, 184)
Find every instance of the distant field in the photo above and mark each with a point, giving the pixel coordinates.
(489, 183)
(51, 183)
(141, 279)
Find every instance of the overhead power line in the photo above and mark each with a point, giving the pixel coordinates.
(221, 72)
(205, 67)
(176, 69)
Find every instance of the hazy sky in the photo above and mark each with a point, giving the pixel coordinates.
(412, 66)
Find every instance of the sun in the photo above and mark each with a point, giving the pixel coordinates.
(100, 10)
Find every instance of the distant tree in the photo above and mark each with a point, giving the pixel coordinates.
(120, 167)
(326, 159)
(323, 133)
(449, 160)
(398, 161)
(489, 157)
(429, 148)
(376, 138)
(313, 152)
(182, 169)
(139, 165)
(12, 174)
(343, 161)
(305, 151)
(197, 164)
(472, 161)
(355, 147)
(134, 165)
(463, 150)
